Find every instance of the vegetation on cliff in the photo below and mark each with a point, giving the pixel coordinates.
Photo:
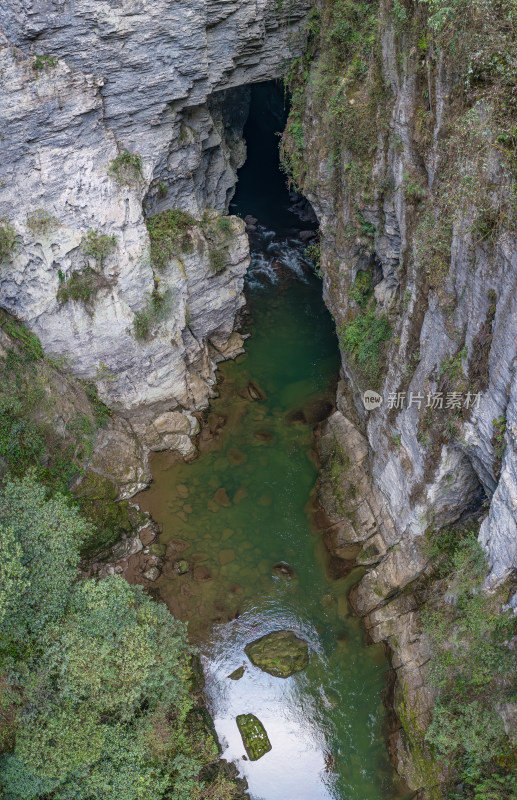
(411, 191)
(474, 668)
(95, 677)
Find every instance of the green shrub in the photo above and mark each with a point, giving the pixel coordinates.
(498, 439)
(154, 310)
(414, 192)
(80, 287)
(7, 241)
(40, 222)
(101, 411)
(98, 245)
(169, 233)
(472, 666)
(40, 62)
(28, 340)
(48, 532)
(363, 339)
(126, 168)
(224, 225)
(313, 253)
(218, 258)
(361, 289)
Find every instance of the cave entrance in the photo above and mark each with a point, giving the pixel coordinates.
(262, 188)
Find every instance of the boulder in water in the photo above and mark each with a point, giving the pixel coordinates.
(254, 736)
(152, 574)
(237, 674)
(283, 570)
(255, 392)
(306, 236)
(280, 653)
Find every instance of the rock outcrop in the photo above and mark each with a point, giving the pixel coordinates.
(85, 86)
(412, 190)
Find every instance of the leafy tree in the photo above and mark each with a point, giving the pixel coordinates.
(45, 534)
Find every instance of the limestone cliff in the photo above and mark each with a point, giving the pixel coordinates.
(111, 113)
(402, 137)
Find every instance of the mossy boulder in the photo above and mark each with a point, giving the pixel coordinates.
(280, 653)
(254, 736)
(237, 674)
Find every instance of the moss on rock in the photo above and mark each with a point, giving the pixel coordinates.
(254, 736)
(280, 653)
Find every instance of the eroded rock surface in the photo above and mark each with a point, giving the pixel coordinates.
(166, 82)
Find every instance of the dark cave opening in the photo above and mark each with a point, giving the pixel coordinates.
(262, 189)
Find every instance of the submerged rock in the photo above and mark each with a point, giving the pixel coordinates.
(280, 653)
(255, 392)
(254, 736)
(283, 570)
(152, 574)
(221, 497)
(157, 549)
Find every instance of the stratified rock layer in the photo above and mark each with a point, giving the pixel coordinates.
(165, 81)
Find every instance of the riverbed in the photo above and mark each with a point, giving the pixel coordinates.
(242, 554)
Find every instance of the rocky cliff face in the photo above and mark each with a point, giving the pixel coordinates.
(162, 85)
(405, 149)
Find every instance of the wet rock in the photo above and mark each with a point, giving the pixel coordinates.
(240, 494)
(175, 547)
(157, 549)
(264, 436)
(306, 236)
(181, 567)
(199, 557)
(295, 416)
(254, 392)
(280, 653)
(221, 497)
(236, 457)
(127, 547)
(283, 570)
(254, 736)
(197, 676)
(317, 410)
(147, 536)
(226, 557)
(152, 574)
(237, 674)
(201, 574)
(215, 422)
(250, 220)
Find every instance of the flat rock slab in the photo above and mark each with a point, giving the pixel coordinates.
(280, 653)
(254, 736)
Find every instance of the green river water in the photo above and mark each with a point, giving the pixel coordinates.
(240, 508)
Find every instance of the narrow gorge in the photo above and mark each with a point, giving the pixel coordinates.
(187, 433)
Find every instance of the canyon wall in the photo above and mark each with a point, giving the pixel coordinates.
(111, 113)
(401, 137)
